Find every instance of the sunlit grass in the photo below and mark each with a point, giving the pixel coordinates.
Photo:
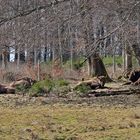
(66, 122)
(108, 61)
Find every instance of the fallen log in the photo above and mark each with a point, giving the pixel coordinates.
(113, 92)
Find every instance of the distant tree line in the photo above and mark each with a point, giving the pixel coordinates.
(62, 30)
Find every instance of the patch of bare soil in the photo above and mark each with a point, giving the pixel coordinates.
(116, 100)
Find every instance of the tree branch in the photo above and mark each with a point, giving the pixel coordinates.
(28, 12)
(124, 20)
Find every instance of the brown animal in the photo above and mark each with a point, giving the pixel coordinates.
(94, 83)
(25, 81)
(4, 89)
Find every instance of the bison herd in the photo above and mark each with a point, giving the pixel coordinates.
(93, 83)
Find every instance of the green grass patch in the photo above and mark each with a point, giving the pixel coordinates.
(77, 63)
(21, 89)
(82, 90)
(61, 82)
(49, 85)
(69, 122)
(42, 87)
(108, 61)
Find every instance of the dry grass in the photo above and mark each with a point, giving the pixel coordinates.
(56, 71)
(69, 122)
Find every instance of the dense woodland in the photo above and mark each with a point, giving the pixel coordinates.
(69, 69)
(59, 31)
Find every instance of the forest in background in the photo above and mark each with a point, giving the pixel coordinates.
(59, 32)
(55, 59)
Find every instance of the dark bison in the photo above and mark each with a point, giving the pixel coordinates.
(134, 75)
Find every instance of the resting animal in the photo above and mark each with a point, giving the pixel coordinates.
(94, 83)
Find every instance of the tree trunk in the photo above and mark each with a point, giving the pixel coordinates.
(95, 64)
(4, 59)
(22, 56)
(60, 45)
(8, 54)
(97, 67)
(114, 60)
(128, 58)
(90, 66)
(136, 46)
(35, 56)
(18, 57)
(30, 57)
(136, 50)
(45, 54)
(123, 57)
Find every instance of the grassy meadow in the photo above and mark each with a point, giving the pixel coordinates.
(62, 121)
(69, 122)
